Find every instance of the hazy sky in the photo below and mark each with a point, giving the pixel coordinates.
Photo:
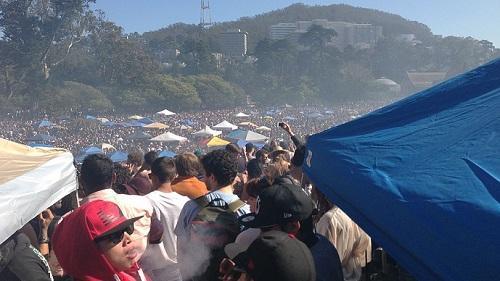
(479, 19)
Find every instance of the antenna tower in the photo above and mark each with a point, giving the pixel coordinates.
(205, 17)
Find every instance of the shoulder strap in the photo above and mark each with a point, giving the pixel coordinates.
(234, 206)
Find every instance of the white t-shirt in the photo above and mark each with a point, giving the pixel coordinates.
(160, 260)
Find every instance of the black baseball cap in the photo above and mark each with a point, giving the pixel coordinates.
(277, 255)
(277, 204)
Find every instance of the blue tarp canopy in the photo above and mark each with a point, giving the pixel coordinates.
(45, 123)
(422, 176)
(118, 156)
(90, 117)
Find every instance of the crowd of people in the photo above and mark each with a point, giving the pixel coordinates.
(223, 214)
(75, 131)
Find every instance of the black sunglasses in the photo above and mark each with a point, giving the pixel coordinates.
(116, 237)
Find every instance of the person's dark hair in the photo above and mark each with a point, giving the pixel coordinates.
(222, 165)
(255, 186)
(164, 169)
(123, 176)
(97, 173)
(249, 146)
(306, 232)
(254, 169)
(187, 165)
(260, 154)
(233, 148)
(149, 158)
(135, 157)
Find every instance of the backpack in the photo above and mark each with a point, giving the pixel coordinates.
(214, 226)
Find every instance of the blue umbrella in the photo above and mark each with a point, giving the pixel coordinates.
(90, 150)
(119, 156)
(35, 144)
(187, 122)
(167, 153)
(90, 117)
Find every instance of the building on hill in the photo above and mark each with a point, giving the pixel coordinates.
(234, 43)
(348, 34)
(282, 30)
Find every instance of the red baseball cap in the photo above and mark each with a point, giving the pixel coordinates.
(105, 218)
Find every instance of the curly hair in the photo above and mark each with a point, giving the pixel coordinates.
(222, 164)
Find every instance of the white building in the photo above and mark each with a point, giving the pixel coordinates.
(234, 43)
(348, 34)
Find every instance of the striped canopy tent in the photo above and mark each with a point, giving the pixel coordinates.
(156, 125)
(26, 171)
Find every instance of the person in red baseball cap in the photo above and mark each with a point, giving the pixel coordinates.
(93, 243)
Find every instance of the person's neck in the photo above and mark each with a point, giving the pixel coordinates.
(165, 187)
(226, 189)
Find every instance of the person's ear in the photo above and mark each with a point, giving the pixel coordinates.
(113, 179)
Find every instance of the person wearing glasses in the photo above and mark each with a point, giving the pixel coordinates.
(94, 243)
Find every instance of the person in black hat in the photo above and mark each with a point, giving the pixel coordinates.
(286, 207)
(274, 255)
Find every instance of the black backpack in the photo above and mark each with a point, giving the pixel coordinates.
(214, 226)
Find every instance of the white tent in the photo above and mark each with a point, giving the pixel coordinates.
(255, 137)
(263, 129)
(135, 117)
(224, 125)
(169, 137)
(185, 127)
(241, 114)
(31, 180)
(165, 112)
(207, 132)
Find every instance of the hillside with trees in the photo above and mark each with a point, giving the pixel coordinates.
(58, 55)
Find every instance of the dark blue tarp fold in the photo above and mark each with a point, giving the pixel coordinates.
(422, 176)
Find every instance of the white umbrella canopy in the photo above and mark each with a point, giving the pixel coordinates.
(263, 129)
(225, 125)
(207, 132)
(169, 137)
(185, 127)
(241, 114)
(165, 112)
(156, 125)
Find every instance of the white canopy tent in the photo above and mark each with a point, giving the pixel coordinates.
(47, 173)
(165, 112)
(225, 125)
(135, 117)
(169, 137)
(207, 132)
